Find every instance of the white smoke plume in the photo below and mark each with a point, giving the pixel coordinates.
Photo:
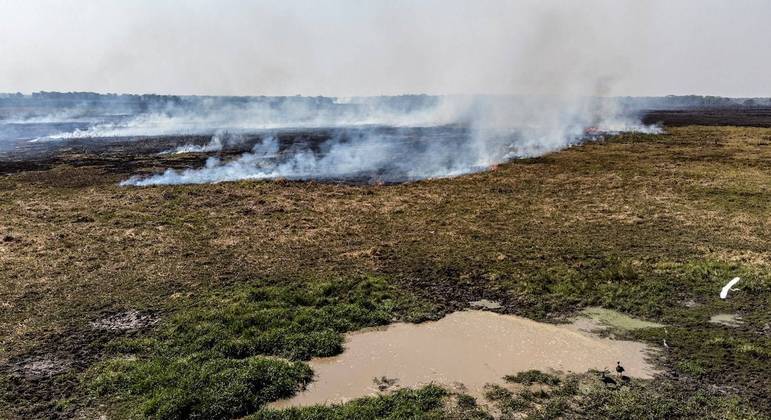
(216, 144)
(367, 154)
(210, 115)
(468, 135)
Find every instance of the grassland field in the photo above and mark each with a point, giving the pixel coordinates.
(235, 285)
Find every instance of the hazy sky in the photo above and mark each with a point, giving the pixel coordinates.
(360, 47)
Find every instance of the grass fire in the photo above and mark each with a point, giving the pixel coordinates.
(471, 210)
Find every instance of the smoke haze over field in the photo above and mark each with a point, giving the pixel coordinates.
(512, 78)
(441, 137)
(396, 138)
(350, 47)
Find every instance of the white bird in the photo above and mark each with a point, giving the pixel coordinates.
(727, 287)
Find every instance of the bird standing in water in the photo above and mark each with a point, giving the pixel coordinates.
(619, 369)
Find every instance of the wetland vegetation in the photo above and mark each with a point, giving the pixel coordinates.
(246, 281)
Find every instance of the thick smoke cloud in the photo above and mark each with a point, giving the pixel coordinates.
(352, 47)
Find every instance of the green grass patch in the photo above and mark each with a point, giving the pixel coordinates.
(651, 400)
(504, 400)
(530, 377)
(585, 396)
(209, 360)
(424, 403)
(200, 386)
(609, 288)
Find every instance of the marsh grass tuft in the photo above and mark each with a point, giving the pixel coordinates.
(209, 360)
(530, 377)
(424, 403)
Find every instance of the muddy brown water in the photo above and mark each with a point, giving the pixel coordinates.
(463, 351)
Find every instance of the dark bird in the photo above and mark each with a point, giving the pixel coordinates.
(625, 379)
(607, 380)
(619, 369)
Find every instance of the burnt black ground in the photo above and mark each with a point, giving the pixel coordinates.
(745, 117)
(125, 155)
(118, 152)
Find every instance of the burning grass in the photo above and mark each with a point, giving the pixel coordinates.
(638, 223)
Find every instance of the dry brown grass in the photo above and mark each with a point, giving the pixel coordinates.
(77, 243)
(75, 246)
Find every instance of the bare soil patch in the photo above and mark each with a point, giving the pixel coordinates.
(129, 320)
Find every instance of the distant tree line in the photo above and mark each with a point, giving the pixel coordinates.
(133, 103)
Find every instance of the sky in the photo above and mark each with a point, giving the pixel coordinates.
(368, 47)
